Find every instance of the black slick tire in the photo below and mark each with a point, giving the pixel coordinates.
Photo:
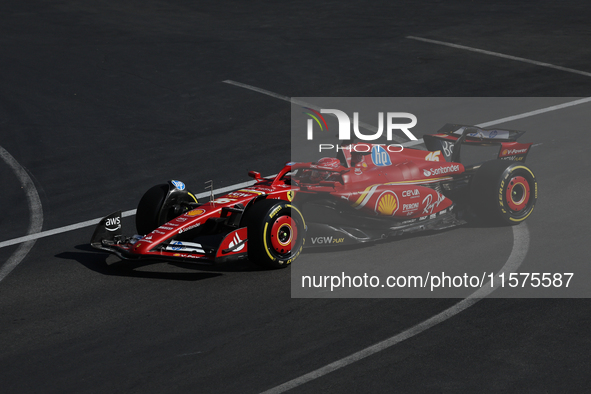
(148, 209)
(503, 192)
(276, 233)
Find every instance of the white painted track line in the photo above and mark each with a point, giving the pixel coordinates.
(502, 55)
(364, 125)
(518, 253)
(536, 112)
(35, 213)
(36, 235)
(520, 116)
(87, 223)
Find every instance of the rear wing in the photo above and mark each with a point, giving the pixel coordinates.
(450, 138)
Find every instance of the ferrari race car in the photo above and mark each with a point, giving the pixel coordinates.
(367, 192)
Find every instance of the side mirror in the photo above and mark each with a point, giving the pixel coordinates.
(255, 175)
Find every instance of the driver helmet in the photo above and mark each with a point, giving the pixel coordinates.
(329, 162)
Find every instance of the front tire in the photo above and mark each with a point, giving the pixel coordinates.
(159, 205)
(503, 192)
(276, 233)
(148, 209)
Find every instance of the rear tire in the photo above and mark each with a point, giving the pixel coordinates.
(276, 233)
(503, 192)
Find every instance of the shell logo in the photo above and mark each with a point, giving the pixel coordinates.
(505, 152)
(195, 212)
(387, 204)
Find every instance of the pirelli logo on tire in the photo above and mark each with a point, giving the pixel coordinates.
(501, 193)
(274, 212)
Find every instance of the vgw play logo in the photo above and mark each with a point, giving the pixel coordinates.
(345, 126)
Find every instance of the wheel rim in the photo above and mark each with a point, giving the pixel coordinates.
(518, 193)
(284, 233)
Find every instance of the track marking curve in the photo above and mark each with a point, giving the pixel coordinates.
(518, 253)
(35, 213)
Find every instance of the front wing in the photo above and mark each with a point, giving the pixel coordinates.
(108, 236)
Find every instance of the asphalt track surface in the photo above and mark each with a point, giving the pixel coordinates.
(100, 101)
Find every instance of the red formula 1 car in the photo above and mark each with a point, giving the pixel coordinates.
(367, 193)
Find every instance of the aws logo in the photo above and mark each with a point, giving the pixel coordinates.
(113, 224)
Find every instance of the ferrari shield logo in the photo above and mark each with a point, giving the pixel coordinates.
(290, 195)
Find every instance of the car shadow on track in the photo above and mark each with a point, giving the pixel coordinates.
(99, 262)
(471, 222)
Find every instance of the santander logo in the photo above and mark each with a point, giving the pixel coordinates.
(441, 170)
